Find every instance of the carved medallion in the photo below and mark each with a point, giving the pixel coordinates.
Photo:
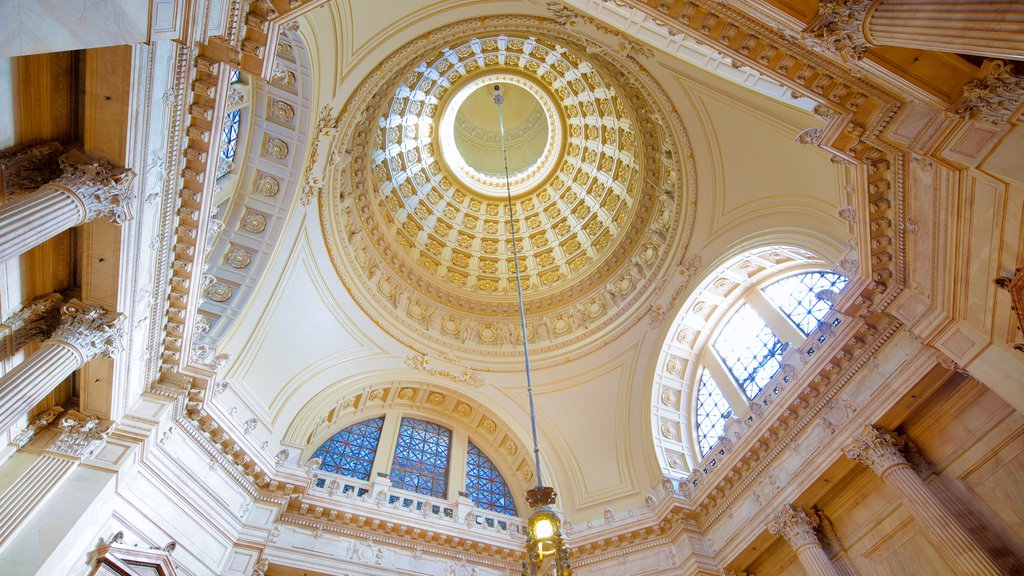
(277, 148)
(282, 111)
(267, 185)
(219, 292)
(254, 222)
(238, 258)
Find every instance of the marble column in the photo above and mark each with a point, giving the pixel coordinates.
(79, 436)
(84, 333)
(882, 452)
(798, 526)
(993, 28)
(83, 192)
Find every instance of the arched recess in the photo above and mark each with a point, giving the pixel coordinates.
(255, 194)
(692, 352)
(469, 419)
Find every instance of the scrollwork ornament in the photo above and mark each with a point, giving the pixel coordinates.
(104, 190)
(91, 330)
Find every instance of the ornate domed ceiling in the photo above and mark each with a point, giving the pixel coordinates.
(600, 176)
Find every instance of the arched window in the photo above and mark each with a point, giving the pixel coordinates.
(351, 451)
(729, 342)
(485, 484)
(231, 132)
(421, 458)
(420, 462)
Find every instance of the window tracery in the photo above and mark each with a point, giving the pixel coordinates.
(351, 451)
(713, 412)
(420, 461)
(796, 297)
(750, 350)
(421, 458)
(485, 484)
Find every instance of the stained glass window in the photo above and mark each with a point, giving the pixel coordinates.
(485, 485)
(236, 75)
(421, 458)
(750, 350)
(350, 452)
(796, 297)
(229, 137)
(712, 412)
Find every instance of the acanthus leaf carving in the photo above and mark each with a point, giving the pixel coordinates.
(80, 435)
(105, 191)
(838, 28)
(91, 330)
(993, 95)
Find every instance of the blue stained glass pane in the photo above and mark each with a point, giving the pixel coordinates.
(229, 136)
(236, 75)
(485, 484)
(750, 350)
(351, 451)
(421, 458)
(795, 297)
(712, 412)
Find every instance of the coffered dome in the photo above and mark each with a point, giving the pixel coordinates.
(599, 195)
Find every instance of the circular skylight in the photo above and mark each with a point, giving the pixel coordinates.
(470, 134)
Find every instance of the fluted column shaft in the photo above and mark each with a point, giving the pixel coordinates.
(84, 333)
(30, 381)
(32, 219)
(83, 192)
(880, 451)
(798, 526)
(992, 28)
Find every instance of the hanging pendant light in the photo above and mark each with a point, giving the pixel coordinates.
(546, 552)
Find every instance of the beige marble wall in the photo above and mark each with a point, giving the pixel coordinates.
(40, 26)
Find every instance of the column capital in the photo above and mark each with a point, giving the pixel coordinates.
(797, 525)
(80, 435)
(877, 449)
(91, 330)
(838, 27)
(993, 95)
(104, 190)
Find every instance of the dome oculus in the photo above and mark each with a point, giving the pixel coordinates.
(470, 134)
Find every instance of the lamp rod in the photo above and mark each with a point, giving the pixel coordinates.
(499, 99)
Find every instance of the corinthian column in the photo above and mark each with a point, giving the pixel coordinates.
(798, 527)
(83, 192)
(84, 333)
(991, 28)
(79, 437)
(881, 451)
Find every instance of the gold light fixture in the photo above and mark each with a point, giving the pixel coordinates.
(546, 552)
